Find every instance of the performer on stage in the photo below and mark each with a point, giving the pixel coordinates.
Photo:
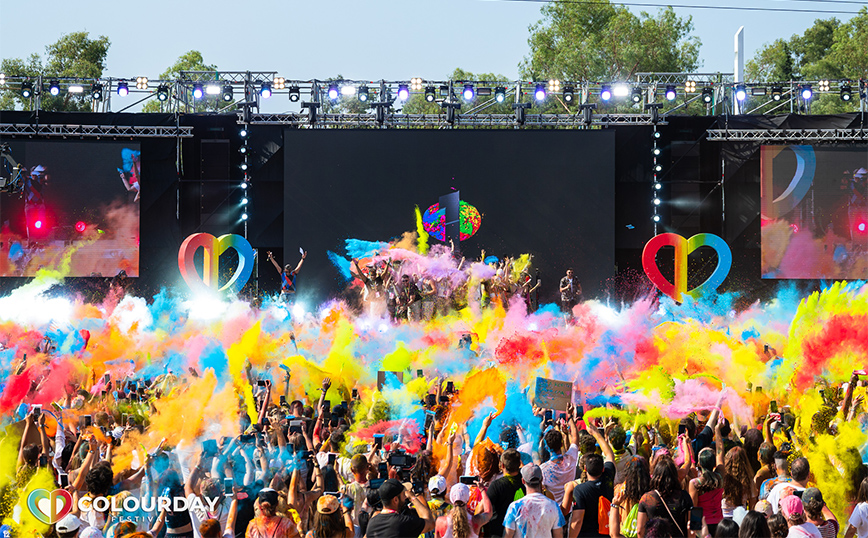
(287, 277)
(571, 293)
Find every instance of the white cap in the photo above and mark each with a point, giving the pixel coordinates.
(69, 523)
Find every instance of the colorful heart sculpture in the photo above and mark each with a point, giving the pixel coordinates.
(683, 248)
(214, 247)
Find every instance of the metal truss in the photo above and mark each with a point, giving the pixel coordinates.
(439, 121)
(788, 135)
(96, 131)
(681, 78)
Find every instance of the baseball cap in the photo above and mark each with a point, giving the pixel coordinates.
(91, 532)
(812, 494)
(791, 505)
(764, 507)
(437, 484)
(327, 504)
(390, 489)
(459, 493)
(268, 495)
(69, 523)
(531, 474)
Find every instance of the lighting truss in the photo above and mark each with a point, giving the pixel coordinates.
(96, 131)
(788, 135)
(440, 120)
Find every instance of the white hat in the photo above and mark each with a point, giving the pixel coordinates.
(437, 484)
(91, 532)
(459, 492)
(69, 523)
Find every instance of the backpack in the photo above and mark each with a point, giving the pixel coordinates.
(603, 507)
(628, 524)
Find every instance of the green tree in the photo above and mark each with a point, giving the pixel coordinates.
(74, 55)
(575, 41)
(189, 61)
(485, 104)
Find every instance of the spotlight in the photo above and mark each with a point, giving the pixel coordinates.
(670, 93)
(198, 91)
(690, 86)
(141, 83)
(363, 93)
(554, 85)
(279, 83)
(707, 95)
(294, 94)
(244, 201)
(403, 92)
(824, 85)
(54, 87)
(656, 152)
(2, 79)
(846, 91)
(244, 185)
(80, 227)
(656, 134)
(430, 94)
(37, 224)
(605, 92)
(569, 94)
(96, 91)
(265, 90)
(244, 166)
(416, 84)
(758, 90)
(162, 93)
(777, 93)
(468, 92)
(75, 88)
(123, 88)
(227, 92)
(212, 89)
(658, 186)
(348, 89)
(806, 92)
(656, 218)
(243, 149)
(636, 96)
(658, 168)
(656, 201)
(500, 94)
(740, 92)
(244, 216)
(26, 89)
(540, 92)
(243, 133)
(620, 90)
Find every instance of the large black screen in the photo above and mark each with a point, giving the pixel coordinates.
(547, 193)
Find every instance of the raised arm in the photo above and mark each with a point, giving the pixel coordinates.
(608, 454)
(301, 261)
(274, 262)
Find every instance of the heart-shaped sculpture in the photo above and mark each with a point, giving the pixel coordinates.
(214, 247)
(683, 248)
(49, 507)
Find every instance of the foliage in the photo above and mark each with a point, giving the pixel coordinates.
(189, 61)
(73, 55)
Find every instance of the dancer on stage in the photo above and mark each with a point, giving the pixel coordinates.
(287, 277)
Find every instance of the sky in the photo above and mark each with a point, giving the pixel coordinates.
(377, 39)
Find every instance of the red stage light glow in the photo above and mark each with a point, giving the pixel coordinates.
(80, 227)
(37, 224)
(861, 226)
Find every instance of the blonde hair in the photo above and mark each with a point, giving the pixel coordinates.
(460, 525)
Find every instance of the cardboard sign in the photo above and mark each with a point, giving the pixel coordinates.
(381, 378)
(553, 394)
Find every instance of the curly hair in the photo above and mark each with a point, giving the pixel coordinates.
(460, 525)
(737, 477)
(637, 480)
(98, 480)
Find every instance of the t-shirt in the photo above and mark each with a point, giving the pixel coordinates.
(559, 470)
(534, 516)
(859, 519)
(780, 491)
(770, 484)
(805, 530)
(395, 525)
(704, 439)
(586, 497)
(502, 492)
(678, 503)
(829, 528)
(272, 527)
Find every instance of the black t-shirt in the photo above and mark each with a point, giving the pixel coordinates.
(392, 525)
(502, 493)
(704, 439)
(678, 503)
(587, 497)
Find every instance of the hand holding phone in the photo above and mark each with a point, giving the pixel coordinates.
(696, 519)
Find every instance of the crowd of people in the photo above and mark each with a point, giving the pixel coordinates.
(129, 419)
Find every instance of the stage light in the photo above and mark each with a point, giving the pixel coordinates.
(540, 92)
(279, 83)
(244, 216)
(265, 90)
(244, 185)
(777, 93)
(198, 91)
(75, 88)
(37, 224)
(54, 88)
(403, 92)
(244, 150)
(483, 92)
(671, 93)
(656, 134)
(348, 90)
(212, 89)
(554, 85)
(468, 92)
(80, 227)
(656, 201)
(620, 90)
(806, 92)
(430, 94)
(363, 93)
(2, 79)
(846, 94)
(658, 168)
(416, 84)
(26, 89)
(637, 95)
(656, 151)
(162, 93)
(740, 92)
(228, 92)
(244, 201)
(656, 218)
(500, 94)
(569, 94)
(294, 94)
(96, 91)
(244, 166)
(142, 83)
(658, 186)
(758, 90)
(243, 133)
(123, 89)
(605, 92)
(690, 86)
(862, 226)
(824, 85)
(707, 95)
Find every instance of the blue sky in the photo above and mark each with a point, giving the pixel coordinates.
(359, 40)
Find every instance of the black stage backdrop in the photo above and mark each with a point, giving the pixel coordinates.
(548, 193)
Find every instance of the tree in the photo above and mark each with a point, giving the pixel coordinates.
(418, 105)
(73, 55)
(576, 41)
(189, 61)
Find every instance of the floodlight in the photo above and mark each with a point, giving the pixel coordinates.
(96, 91)
(605, 92)
(469, 93)
(540, 92)
(671, 93)
(500, 94)
(294, 94)
(740, 92)
(707, 95)
(123, 89)
(162, 93)
(403, 92)
(198, 91)
(363, 93)
(806, 92)
(228, 92)
(54, 87)
(265, 90)
(26, 89)
(430, 94)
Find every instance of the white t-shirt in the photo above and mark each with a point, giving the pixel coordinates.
(859, 519)
(775, 495)
(805, 530)
(533, 516)
(560, 470)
